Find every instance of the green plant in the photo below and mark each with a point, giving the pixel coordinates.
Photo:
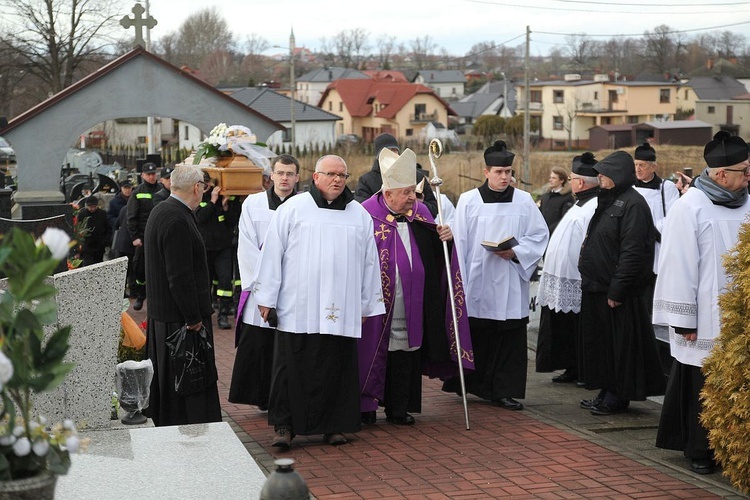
(726, 393)
(28, 363)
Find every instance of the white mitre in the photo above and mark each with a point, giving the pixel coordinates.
(398, 171)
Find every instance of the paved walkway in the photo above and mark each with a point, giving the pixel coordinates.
(552, 449)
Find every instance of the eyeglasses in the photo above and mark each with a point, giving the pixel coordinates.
(745, 171)
(334, 174)
(205, 185)
(285, 174)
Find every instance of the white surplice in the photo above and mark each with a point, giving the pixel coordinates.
(319, 268)
(253, 224)
(496, 288)
(695, 236)
(560, 281)
(659, 210)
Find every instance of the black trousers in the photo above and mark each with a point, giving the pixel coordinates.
(139, 273)
(220, 271)
(403, 383)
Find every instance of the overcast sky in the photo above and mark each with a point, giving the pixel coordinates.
(455, 25)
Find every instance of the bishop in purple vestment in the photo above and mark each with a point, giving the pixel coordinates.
(415, 336)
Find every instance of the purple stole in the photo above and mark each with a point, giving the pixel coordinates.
(376, 330)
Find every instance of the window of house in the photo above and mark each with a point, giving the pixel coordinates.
(341, 106)
(711, 110)
(633, 119)
(686, 95)
(664, 95)
(558, 96)
(420, 110)
(187, 132)
(596, 96)
(330, 105)
(557, 122)
(535, 96)
(409, 132)
(286, 135)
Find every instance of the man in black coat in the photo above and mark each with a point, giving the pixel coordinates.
(119, 201)
(370, 182)
(179, 295)
(98, 233)
(619, 352)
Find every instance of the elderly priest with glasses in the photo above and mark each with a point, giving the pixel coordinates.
(317, 277)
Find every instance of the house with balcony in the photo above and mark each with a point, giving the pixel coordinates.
(563, 111)
(370, 107)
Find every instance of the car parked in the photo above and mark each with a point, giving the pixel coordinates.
(350, 139)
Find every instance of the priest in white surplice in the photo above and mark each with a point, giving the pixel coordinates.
(560, 282)
(496, 283)
(702, 226)
(319, 272)
(660, 196)
(251, 375)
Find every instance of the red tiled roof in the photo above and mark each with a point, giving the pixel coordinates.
(392, 75)
(393, 95)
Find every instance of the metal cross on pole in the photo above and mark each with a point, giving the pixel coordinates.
(138, 22)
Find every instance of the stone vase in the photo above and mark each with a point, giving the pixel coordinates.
(39, 487)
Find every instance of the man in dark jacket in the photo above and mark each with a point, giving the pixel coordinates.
(370, 182)
(619, 352)
(139, 207)
(118, 202)
(98, 232)
(178, 293)
(166, 184)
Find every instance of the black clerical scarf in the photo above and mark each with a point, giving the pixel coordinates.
(273, 199)
(491, 196)
(338, 204)
(584, 196)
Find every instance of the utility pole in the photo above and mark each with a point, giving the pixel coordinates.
(526, 117)
(149, 119)
(293, 87)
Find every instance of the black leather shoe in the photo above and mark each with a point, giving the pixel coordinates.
(702, 466)
(223, 322)
(282, 439)
(405, 420)
(369, 417)
(604, 409)
(138, 304)
(565, 378)
(587, 404)
(510, 404)
(335, 439)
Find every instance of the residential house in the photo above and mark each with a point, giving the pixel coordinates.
(563, 111)
(312, 125)
(492, 98)
(714, 88)
(312, 85)
(370, 107)
(447, 84)
(730, 114)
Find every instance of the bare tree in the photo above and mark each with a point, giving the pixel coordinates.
(254, 62)
(569, 112)
(350, 46)
(422, 49)
(201, 34)
(729, 45)
(55, 39)
(660, 48)
(579, 48)
(386, 46)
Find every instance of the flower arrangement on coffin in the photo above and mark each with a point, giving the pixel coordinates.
(29, 445)
(226, 141)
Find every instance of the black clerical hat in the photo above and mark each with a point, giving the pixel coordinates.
(724, 150)
(584, 165)
(498, 155)
(645, 152)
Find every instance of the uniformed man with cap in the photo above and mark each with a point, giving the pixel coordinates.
(701, 228)
(139, 208)
(165, 179)
(98, 233)
(618, 349)
(496, 282)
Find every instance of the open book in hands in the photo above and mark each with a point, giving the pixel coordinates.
(504, 244)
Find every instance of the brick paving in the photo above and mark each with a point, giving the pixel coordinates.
(550, 450)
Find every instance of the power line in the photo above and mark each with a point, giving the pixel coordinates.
(562, 9)
(493, 47)
(671, 32)
(633, 4)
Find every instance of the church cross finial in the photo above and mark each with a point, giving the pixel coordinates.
(138, 22)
